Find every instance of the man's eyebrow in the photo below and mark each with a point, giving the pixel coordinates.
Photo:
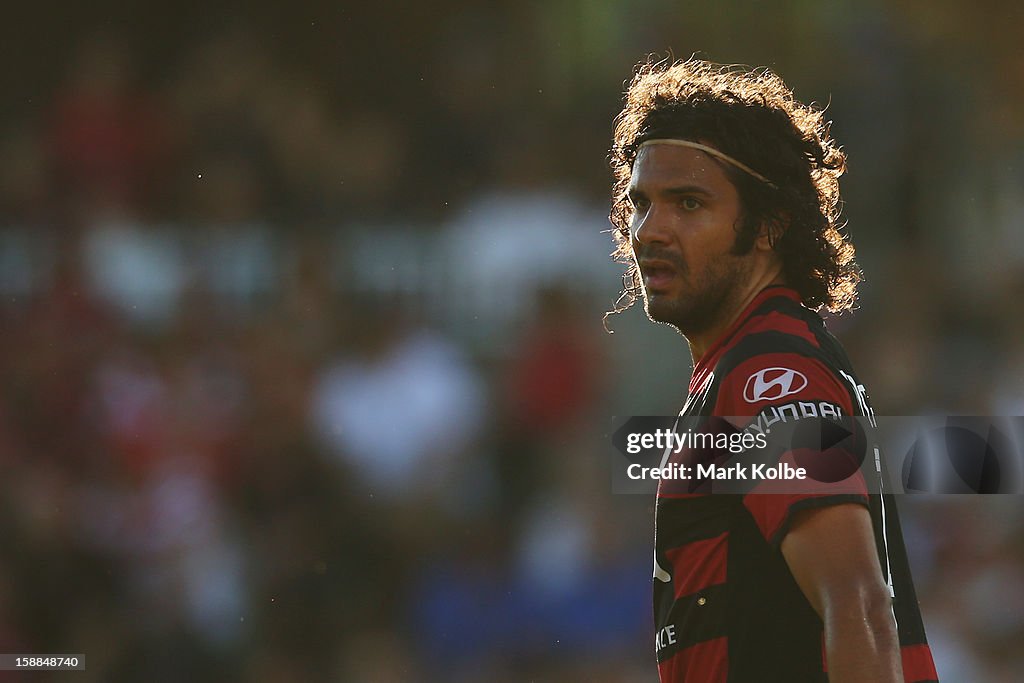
(686, 189)
(634, 192)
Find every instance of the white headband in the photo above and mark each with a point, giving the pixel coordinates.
(713, 152)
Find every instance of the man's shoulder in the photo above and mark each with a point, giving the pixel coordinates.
(781, 356)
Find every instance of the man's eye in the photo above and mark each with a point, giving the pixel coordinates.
(690, 203)
(639, 204)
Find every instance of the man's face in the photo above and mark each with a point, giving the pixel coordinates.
(686, 211)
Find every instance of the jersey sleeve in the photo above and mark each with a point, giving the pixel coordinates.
(777, 391)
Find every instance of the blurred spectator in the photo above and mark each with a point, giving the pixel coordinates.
(107, 138)
(399, 408)
(138, 269)
(554, 375)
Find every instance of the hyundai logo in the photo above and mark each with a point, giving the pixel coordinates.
(772, 384)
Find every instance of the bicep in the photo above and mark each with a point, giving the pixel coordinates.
(831, 554)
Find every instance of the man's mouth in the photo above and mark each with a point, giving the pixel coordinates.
(657, 274)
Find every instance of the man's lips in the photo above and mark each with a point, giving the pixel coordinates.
(657, 274)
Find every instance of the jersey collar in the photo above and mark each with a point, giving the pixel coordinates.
(703, 368)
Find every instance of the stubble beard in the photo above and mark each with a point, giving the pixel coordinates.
(702, 300)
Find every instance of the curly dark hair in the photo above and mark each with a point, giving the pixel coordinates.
(752, 116)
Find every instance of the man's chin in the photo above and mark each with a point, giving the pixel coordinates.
(660, 310)
(673, 312)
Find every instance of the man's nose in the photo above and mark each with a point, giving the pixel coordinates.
(652, 228)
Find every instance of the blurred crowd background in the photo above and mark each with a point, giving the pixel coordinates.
(304, 376)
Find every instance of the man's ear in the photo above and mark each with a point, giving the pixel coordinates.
(771, 231)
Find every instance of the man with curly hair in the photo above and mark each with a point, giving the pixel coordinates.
(726, 208)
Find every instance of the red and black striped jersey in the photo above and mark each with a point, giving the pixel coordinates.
(727, 609)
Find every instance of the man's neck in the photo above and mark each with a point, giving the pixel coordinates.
(701, 341)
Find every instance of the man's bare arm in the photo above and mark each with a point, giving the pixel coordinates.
(831, 553)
